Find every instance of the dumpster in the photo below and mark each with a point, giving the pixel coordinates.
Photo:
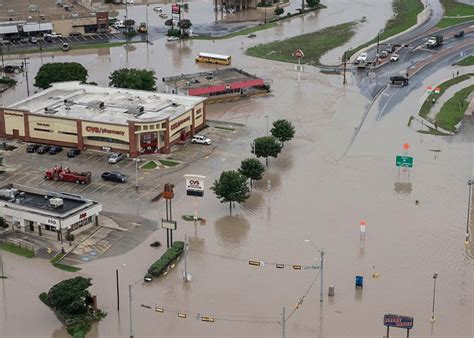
(359, 282)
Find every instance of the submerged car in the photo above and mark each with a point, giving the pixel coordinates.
(395, 57)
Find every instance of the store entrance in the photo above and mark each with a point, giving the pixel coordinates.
(149, 143)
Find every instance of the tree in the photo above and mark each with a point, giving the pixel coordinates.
(132, 78)
(266, 146)
(185, 24)
(73, 304)
(312, 3)
(252, 169)
(279, 11)
(129, 23)
(231, 187)
(59, 72)
(283, 130)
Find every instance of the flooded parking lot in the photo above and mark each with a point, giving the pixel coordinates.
(312, 191)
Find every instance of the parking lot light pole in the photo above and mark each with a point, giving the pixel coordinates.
(136, 173)
(435, 276)
(321, 252)
(266, 116)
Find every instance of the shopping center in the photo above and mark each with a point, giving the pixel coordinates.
(84, 116)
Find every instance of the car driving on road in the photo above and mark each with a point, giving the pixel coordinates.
(201, 139)
(114, 176)
(395, 57)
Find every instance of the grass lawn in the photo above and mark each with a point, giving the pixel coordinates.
(68, 268)
(469, 61)
(168, 163)
(453, 110)
(149, 165)
(428, 104)
(454, 8)
(314, 45)
(405, 13)
(17, 250)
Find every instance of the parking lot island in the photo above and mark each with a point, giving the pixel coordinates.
(83, 116)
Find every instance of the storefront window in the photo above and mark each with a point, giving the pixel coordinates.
(105, 139)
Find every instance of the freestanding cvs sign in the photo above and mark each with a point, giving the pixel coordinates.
(194, 185)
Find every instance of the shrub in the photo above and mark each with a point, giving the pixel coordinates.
(179, 245)
(157, 268)
(174, 32)
(70, 237)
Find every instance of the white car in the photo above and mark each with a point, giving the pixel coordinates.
(361, 58)
(201, 139)
(158, 9)
(54, 35)
(116, 157)
(172, 38)
(394, 57)
(118, 24)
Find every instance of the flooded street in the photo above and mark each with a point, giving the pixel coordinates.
(317, 189)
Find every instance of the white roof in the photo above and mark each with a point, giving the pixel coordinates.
(35, 27)
(119, 105)
(211, 55)
(8, 29)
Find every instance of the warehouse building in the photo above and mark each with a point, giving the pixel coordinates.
(218, 85)
(84, 116)
(46, 213)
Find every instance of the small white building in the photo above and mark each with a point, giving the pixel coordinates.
(46, 213)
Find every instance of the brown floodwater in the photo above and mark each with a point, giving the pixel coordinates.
(311, 191)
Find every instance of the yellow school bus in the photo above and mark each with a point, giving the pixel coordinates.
(214, 58)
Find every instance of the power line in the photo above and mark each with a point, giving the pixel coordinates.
(257, 262)
(300, 301)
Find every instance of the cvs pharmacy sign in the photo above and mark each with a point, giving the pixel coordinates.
(194, 185)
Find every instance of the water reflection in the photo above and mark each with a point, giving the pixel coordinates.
(254, 203)
(404, 188)
(232, 230)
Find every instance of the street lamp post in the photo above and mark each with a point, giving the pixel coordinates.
(266, 116)
(321, 252)
(435, 276)
(469, 182)
(130, 308)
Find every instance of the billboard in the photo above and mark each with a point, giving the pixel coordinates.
(194, 185)
(175, 9)
(403, 322)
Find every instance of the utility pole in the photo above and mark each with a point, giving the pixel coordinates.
(435, 276)
(146, 13)
(378, 40)
(3, 61)
(283, 323)
(266, 116)
(469, 182)
(40, 38)
(25, 63)
(322, 271)
(136, 173)
(130, 308)
(185, 276)
(344, 81)
(118, 293)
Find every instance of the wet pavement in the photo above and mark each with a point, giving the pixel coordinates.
(316, 189)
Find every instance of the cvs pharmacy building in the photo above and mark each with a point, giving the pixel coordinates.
(85, 116)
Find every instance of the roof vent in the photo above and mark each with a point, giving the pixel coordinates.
(136, 110)
(174, 104)
(49, 110)
(96, 104)
(56, 202)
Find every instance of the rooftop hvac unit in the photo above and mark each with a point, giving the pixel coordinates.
(96, 104)
(136, 110)
(56, 202)
(33, 8)
(8, 193)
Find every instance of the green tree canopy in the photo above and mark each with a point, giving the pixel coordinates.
(279, 11)
(266, 146)
(231, 187)
(312, 3)
(59, 72)
(252, 169)
(185, 24)
(132, 78)
(283, 130)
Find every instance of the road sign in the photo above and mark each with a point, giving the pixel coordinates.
(404, 161)
(168, 224)
(298, 53)
(406, 146)
(403, 322)
(437, 90)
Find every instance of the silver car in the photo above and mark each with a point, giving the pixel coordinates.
(116, 158)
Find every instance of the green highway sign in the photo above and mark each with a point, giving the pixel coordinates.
(404, 161)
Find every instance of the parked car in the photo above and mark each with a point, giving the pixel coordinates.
(114, 176)
(116, 158)
(384, 54)
(251, 35)
(201, 139)
(54, 35)
(55, 149)
(48, 39)
(459, 34)
(65, 47)
(118, 24)
(391, 48)
(43, 149)
(172, 38)
(73, 153)
(395, 57)
(32, 39)
(75, 33)
(32, 148)
(157, 9)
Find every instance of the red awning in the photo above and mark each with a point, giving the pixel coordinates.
(223, 88)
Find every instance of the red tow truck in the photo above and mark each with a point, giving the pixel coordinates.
(59, 174)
